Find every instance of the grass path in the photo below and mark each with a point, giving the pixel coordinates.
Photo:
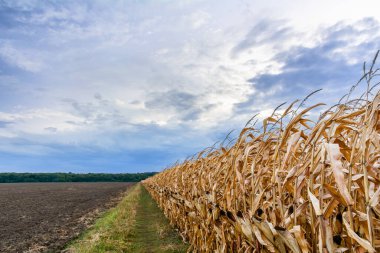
(135, 225)
(151, 232)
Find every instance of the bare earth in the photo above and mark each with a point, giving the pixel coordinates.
(44, 217)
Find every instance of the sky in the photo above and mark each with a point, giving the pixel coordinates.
(134, 86)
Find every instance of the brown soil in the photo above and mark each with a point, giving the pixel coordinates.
(44, 217)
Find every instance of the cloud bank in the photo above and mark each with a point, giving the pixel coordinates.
(134, 86)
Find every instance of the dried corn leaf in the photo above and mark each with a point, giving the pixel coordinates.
(364, 243)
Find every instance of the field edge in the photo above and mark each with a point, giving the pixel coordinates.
(136, 224)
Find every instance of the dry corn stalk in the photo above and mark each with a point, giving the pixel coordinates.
(290, 186)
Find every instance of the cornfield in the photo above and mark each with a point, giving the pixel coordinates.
(289, 185)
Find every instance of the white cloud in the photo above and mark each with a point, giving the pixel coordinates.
(161, 66)
(24, 59)
(199, 18)
(39, 122)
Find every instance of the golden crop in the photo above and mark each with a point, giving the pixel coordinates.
(292, 185)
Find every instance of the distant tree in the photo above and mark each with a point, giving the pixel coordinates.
(72, 177)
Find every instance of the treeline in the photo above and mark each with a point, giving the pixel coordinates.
(72, 177)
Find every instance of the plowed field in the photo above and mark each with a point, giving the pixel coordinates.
(43, 217)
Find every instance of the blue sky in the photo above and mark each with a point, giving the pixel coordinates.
(132, 86)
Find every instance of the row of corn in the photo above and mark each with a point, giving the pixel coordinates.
(293, 184)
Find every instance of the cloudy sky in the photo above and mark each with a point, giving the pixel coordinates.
(132, 86)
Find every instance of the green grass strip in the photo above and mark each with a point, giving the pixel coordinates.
(135, 225)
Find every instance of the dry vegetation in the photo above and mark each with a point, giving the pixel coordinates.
(291, 185)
